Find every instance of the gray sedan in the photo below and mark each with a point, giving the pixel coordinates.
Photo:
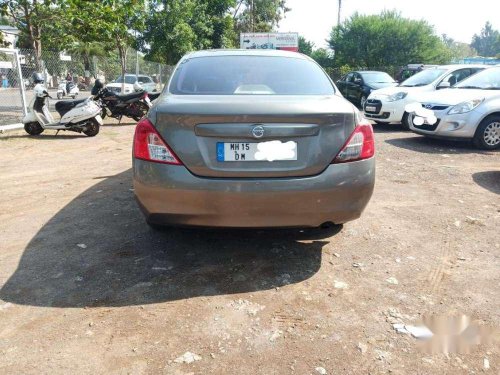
(252, 138)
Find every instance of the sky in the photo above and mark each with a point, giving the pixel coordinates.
(314, 19)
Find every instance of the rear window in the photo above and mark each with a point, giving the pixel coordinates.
(249, 75)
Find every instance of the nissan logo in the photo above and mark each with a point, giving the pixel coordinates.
(258, 131)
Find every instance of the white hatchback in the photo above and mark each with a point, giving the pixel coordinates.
(130, 84)
(387, 105)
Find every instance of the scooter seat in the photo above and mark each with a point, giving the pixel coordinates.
(64, 106)
(127, 97)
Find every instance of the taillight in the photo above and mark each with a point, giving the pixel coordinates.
(148, 145)
(359, 146)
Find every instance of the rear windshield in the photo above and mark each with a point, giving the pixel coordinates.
(249, 75)
(423, 78)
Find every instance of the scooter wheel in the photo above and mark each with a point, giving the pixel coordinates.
(92, 128)
(33, 128)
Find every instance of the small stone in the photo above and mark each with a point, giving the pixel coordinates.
(275, 335)
(410, 258)
(134, 350)
(362, 347)
(486, 363)
(457, 223)
(392, 280)
(337, 255)
(357, 265)
(473, 220)
(398, 260)
(462, 258)
(81, 245)
(187, 357)
(212, 355)
(320, 370)
(427, 360)
(340, 284)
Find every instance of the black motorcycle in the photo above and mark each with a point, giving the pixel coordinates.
(134, 105)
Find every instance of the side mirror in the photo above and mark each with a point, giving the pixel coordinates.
(444, 85)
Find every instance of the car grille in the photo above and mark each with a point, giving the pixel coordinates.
(435, 107)
(374, 103)
(427, 127)
(115, 89)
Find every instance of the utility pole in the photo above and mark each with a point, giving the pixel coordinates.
(338, 14)
(253, 21)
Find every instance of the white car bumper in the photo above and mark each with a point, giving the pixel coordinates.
(379, 109)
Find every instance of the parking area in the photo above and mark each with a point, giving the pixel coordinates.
(87, 287)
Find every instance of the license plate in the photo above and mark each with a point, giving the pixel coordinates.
(256, 151)
(370, 108)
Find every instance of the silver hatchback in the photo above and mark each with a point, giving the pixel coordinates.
(252, 138)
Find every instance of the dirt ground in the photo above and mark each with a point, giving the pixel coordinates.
(87, 288)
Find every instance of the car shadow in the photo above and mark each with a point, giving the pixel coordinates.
(388, 128)
(490, 180)
(98, 251)
(46, 136)
(428, 145)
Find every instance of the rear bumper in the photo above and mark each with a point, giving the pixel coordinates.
(171, 195)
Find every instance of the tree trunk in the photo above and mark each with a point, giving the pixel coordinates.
(122, 51)
(86, 66)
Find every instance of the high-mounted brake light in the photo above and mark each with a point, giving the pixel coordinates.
(149, 145)
(359, 146)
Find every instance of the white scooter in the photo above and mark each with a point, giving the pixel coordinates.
(67, 88)
(81, 116)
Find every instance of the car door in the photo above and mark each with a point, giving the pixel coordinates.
(458, 75)
(355, 88)
(342, 84)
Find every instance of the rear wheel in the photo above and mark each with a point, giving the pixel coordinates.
(487, 134)
(142, 108)
(405, 123)
(33, 128)
(92, 128)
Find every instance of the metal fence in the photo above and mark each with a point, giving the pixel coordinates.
(18, 66)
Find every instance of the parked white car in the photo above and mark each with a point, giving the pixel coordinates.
(387, 105)
(145, 82)
(470, 110)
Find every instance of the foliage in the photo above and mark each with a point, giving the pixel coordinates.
(458, 50)
(176, 27)
(487, 43)
(386, 39)
(258, 15)
(305, 46)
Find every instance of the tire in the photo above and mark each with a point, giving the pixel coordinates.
(143, 108)
(362, 101)
(380, 122)
(405, 124)
(33, 128)
(92, 129)
(487, 136)
(59, 95)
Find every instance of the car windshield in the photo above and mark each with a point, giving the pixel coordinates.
(249, 75)
(423, 78)
(377, 77)
(128, 79)
(488, 79)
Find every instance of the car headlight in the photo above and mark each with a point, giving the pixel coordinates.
(465, 107)
(397, 96)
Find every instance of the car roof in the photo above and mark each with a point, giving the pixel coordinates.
(246, 52)
(458, 66)
(368, 71)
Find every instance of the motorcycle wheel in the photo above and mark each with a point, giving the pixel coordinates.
(59, 95)
(33, 128)
(143, 108)
(92, 128)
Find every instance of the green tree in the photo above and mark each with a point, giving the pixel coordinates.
(258, 15)
(109, 22)
(387, 39)
(31, 17)
(487, 43)
(175, 27)
(305, 46)
(458, 50)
